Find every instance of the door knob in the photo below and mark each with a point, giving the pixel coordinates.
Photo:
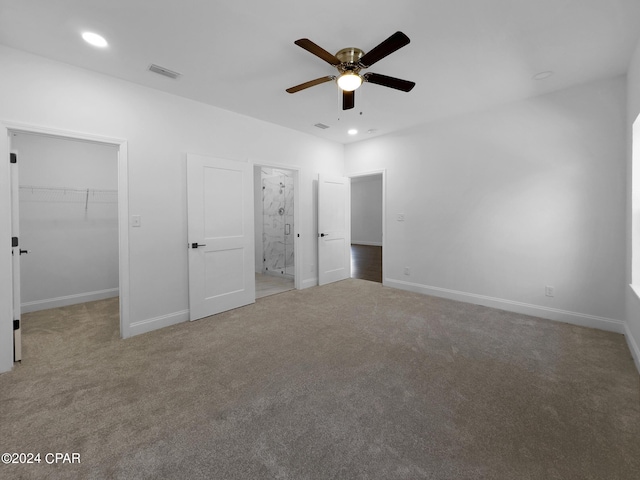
(324, 234)
(24, 251)
(196, 245)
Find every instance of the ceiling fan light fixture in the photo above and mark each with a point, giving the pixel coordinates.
(349, 62)
(349, 81)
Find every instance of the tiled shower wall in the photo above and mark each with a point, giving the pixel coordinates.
(277, 214)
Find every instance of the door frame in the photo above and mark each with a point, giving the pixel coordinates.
(6, 288)
(370, 173)
(297, 254)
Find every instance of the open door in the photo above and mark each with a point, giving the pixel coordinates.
(220, 235)
(16, 251)
(334, 236)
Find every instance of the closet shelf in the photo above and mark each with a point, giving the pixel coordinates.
(40, 188)
(40, 193)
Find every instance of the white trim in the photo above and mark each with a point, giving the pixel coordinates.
(369, 173)
(151, 324)
(66, 300)
(123, 239)
(68, 134)
(369, 244)
(631, 341)
(310, 282)
(633, 346)
(574, 318)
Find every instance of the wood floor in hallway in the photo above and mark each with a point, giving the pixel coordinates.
(366, 262)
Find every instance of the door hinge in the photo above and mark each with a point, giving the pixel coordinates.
(16, 324)
(13, 158)
(14, 242)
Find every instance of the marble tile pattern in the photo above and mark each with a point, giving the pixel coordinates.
(277, 233)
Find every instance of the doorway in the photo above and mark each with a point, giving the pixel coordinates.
(275, 213)
(68, 187)
(367, 204)
(68, 221)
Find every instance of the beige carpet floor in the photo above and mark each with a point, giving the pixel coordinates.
(351, 380)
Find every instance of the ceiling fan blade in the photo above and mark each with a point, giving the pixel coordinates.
(348, 100)
(390, 45)
(310, 83)
(318, 51)
(391, 82)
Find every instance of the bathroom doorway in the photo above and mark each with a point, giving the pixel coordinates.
(275, 227)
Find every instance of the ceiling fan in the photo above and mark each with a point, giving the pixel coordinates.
(349, 62)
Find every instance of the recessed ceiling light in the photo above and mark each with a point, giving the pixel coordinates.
(542, 75)
(352, 131)
(94, 39)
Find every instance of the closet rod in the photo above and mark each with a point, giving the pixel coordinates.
(35, 188)
(72, 194)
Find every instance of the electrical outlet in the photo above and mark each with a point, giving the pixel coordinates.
(549, 291)
(400, 217)
(407, 271)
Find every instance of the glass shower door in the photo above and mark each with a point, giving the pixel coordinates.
(277, 233)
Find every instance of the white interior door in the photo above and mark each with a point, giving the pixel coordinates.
(334, 235)
(16, 251)
(220, 227)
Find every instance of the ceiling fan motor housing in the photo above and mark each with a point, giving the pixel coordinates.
(349, 58)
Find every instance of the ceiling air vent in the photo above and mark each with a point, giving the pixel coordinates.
(164, 71)
(321, 125)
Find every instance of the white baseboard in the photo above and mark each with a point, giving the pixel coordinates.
(68, 300)
(633, 346)
(372, 244)
(308, 283)
(574, 318)
(144, 326)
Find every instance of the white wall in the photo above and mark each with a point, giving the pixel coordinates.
(160, 129)
(72, 239)
(633, 210)
(366, 210)
(501, 203)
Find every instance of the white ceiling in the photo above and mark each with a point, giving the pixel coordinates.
(239, 55)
